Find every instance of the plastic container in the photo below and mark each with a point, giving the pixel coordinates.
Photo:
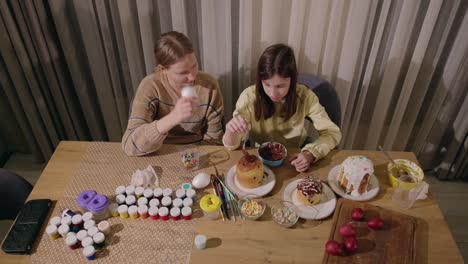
(133, 211)
(166, 201)
(187, 213)
(56, 221)
(186, 186)
(177, 202)
(154, 203)
(180, 193)
(123, 211)
(130, 200)
(139, 191)
(82, 234)
(63, 230)
(89, 252)
(210, 205)
(148, 194)
(113, 209)
(120, 199)
(200, 241)
(52, 231)
(87, 216)
(92, 231)
(163, 213)
(158, 193)
(153, 213)
(142, 201)
(190, 193)
(104, 227)
(190, 160)
(130, 190)
(120, 190)
(84, 197)
(99, 240)
(87, 241)
(66, 220)
(72, 242)
(167, 192)
(187, 202)
(99, 207)
(143, 211)
(175, 213)
(88, 224)
(284, 213)
(77, 222)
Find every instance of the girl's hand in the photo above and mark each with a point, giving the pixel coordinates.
(184, 109)
(237, 125)
(302, 161)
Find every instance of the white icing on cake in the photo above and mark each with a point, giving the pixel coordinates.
(355, 168)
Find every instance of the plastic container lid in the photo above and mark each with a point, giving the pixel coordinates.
(77, 219)
(98, 203)
(87, 241)
(153, 211)
(177, 202)
(187, 202)
(123, 209)
(51, 229)
(148, 193)
(142, 201)
(82, 234)
(186, 211)
(56, 220)
(89, 250)
(130, 200)
(133, 209)
(167, 192)
(154, 203)
(190, 193)
(63, 229)
(142, 209)
(210, 203)
(84, 197)
(166, 201)
(67, 220)
(92, 231)
(130, 190)
(88, 224)
(71, 240)
(180, 193)
(120, 199)
(186, 186)
(103, 225)
(175, 211)
(158, 192)
(99, 237)
(163, 211)
(139, 190)
(120, 190)
(88, 216)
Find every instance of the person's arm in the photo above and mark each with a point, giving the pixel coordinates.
(239, 125)
(330, 134)
(214, 116)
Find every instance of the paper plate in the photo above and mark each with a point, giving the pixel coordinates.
(323, 209)
(268, 183)
(372, 188)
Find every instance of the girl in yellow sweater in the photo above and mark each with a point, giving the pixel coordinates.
(275, 108)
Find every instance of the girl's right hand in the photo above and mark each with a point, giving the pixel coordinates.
(184, 109)
(238, 125)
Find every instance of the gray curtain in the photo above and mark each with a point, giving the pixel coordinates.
(68, 69)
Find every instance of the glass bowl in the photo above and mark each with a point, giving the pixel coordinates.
(251, 208)
(284, 213)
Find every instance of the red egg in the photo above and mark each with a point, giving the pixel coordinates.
(357, 214)
(333, 247)
(347, 230)
(375, 223)
(351, 244)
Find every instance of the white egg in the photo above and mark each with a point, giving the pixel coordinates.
(188, 91)
(201, 180)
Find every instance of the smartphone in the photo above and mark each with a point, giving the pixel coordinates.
(22, 235)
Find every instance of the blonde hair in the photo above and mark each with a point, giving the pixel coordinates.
(171, 47)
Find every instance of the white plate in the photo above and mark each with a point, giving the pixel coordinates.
(268, 183)
(372, 188)
(323, 209)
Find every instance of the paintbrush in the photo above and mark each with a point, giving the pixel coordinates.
(215, 192)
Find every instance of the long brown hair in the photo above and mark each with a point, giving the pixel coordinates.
(171, 47)
(276, 59)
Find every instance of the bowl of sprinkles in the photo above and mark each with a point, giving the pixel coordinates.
(190, 160)
(284, 213)
(251, 208)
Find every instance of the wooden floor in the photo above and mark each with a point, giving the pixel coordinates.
(451, 195)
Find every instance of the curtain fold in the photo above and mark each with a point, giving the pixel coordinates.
(70, 68)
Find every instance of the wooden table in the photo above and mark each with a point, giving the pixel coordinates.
(263, 240)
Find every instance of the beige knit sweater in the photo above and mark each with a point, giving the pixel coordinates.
(155, 98)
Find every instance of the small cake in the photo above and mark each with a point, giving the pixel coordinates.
(309, 191)
(249, 171)
(354, 175)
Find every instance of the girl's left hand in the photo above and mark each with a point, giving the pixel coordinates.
(302, 161)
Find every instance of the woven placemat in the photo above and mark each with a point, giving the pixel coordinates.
(103, 168)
